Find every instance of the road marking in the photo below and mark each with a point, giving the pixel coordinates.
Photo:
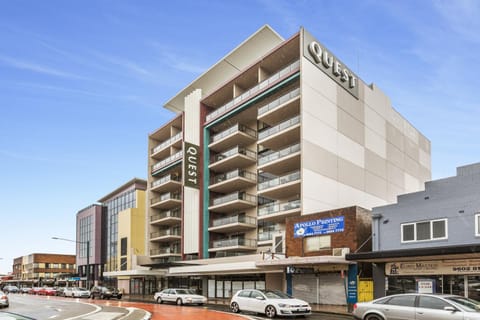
(103, 315)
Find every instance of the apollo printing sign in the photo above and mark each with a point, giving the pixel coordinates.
(319, 227)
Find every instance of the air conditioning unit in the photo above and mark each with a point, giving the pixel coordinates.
(340, 252)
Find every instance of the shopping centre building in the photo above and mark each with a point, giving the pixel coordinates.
(274, 131)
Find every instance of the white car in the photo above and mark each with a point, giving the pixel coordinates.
(76, 292)
(269, 302)
(179, 296)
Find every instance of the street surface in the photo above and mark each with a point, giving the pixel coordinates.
(56, 308)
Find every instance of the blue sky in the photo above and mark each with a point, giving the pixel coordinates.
(83, 83)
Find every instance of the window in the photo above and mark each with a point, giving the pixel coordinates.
(317, 243)
(406, 301)
(477, 224)
(432, 303)
(424, 230)
(123, 246)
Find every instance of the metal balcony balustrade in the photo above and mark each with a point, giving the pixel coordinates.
(233, 174)
(233, 197)
(237, 242)
(278, 128)
(254, 90)
(279, 154)
(234, 219)
(167, 161)
(277, 206)
(233, 129)
(232, 152)
(266, 236)
(176, 213)
(166, 196)
(167, 142)
(164, 250)
(165, 232)
(167, 178)
(294, 176)
(283, 99)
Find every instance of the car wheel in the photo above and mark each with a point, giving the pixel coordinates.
(270, 311)
(373, 317)
(159, 300)
(235, 307)
(179, 302)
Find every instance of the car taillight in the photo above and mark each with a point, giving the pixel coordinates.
(4, 297)
(355, 306)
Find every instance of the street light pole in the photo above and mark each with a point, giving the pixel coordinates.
(88, 256)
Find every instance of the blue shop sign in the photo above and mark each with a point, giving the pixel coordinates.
(319, 227)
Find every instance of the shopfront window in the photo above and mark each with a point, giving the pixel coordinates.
(474, 287)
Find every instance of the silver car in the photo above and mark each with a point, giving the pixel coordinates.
(418, 306)
(3, 300)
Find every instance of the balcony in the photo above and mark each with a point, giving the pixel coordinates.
(283, 134)
(236, 201)
(167, 183)
(237, 244)
(170, 217)
(165, 235)
(237, 157)
(164, 252)
(233, 224)
(157, 167)
(235, 180)
(285, 160)
(284, 107)
(166, 201)
(238, 134)
(262, 86)
(280, 187)
(278, 211)
(160, 151)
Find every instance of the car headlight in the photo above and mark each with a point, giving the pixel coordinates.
(283, 305)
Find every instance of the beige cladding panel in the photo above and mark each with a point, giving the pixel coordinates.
(395, 175)
(395, 137)
(375, 164)
(350, 105)
(316, 105)
(319, 160)
(375, 143)
(395, 156)
(351, 175)
(375, 185)
(412, 150)
(351, 127)
(192, 117)
(191, 220)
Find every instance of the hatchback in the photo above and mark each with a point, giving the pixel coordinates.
(105, 293)
(418, 306)
(269, 302)
(76, 292)
(3, 300)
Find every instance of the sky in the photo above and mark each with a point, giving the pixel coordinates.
(83, 83)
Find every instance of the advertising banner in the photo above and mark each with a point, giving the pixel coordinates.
(319, 227)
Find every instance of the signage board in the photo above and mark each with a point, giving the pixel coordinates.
(352, 284)
(463, 266)
(319, 227)
(191, 163)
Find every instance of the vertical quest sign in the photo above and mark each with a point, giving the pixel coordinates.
(191, 165)
(329, 64)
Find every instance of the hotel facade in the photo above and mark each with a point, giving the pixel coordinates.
(276, 130)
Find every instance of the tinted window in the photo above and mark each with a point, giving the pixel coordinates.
(244, 293)
(432, 303)
(407, 301)
(256, 294)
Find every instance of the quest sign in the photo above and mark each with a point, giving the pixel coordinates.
(329, 64)
(191, 164)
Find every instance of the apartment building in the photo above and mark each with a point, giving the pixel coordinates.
(276, 129)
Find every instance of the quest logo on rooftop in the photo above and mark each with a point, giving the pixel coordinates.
(329, 64)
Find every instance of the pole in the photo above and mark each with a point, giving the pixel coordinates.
(88, 264)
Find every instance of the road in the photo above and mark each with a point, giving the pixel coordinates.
(48, 308)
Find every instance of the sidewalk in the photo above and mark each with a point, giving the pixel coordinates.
(334, 309)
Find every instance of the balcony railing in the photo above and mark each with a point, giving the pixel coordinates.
(232, 152)
(278, 128)
(277, 207)
(166, 196)
(279, 154)
(233, 174)
(272, 105)
(254, 90)
(167, 161)
(167, 142)
(234, 219)
(234, 243)
(166, 232)
(235, 128)
(266, 236)
(279, 181)
(167, 250)
(176, 213)
(165, 179)
(233, 197)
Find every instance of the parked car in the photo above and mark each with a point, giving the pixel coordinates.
(34, 290)
(10, 289)
(179, 296)
(410, 305)
(76, 292)
(272, 303)
(60, 292)
(25, 289)
(4, 302)
(47, 291)
(105, 293)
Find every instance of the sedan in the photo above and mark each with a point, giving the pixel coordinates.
(179, 296)
(269, 302)
(76, 292)
(3, 300)
(47, 291)
(418, 306)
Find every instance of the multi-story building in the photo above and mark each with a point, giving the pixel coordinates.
(428, 240)
(276, 129)
(39, 269)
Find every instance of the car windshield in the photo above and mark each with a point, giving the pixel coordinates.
(465, 303)
(271, 294)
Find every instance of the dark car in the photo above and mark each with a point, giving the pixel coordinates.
(10, 289)
(105, 293)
